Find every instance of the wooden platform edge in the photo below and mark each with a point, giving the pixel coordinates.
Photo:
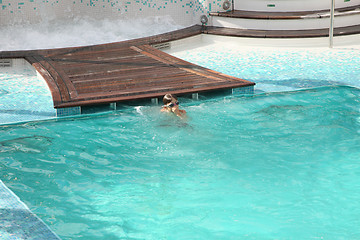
(98, 101)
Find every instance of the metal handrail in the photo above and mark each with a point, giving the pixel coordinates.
(331, 28)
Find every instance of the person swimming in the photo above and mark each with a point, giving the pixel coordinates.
(171, 104)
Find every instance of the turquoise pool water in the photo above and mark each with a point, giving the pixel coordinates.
(268, 166)
(23, 96)
(279, 69)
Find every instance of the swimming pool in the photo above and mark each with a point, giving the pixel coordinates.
(258, 166)
(274, 165)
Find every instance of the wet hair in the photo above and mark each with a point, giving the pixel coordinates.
(168, 97)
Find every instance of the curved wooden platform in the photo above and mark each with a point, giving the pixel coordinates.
(122, 71)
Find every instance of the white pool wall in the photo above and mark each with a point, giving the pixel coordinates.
(184, 12)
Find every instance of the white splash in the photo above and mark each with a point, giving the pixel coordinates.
(81, 32)
(139, 110)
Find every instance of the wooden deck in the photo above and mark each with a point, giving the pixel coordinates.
(122, 71)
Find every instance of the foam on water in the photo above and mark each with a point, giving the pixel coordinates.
(81, 32)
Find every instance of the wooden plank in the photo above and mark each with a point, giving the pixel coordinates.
(142, 86)
(108, 73)
(140, 76)
(76, 63)
(139, 62)
(126, 82)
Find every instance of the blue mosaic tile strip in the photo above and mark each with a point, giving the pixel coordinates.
(243, 90)
(18, 222)
(63, 112)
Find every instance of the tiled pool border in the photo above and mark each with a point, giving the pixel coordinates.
(17, 221)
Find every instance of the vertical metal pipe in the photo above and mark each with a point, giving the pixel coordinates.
(331, 29)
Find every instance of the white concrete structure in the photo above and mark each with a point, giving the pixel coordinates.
(290, 5)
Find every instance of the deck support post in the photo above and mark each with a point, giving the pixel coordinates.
(331, 28)
(236, 90)
(195, 96)
(155, 101)
(113, 106)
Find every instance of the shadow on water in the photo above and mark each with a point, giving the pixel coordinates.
(300, 83)
(178, 124)
(275, 109)
(34, 143)
(26, 112)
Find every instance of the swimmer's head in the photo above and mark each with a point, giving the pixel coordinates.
(168, 98)
(171, 104)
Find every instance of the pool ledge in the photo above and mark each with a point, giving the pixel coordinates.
(17, 221)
